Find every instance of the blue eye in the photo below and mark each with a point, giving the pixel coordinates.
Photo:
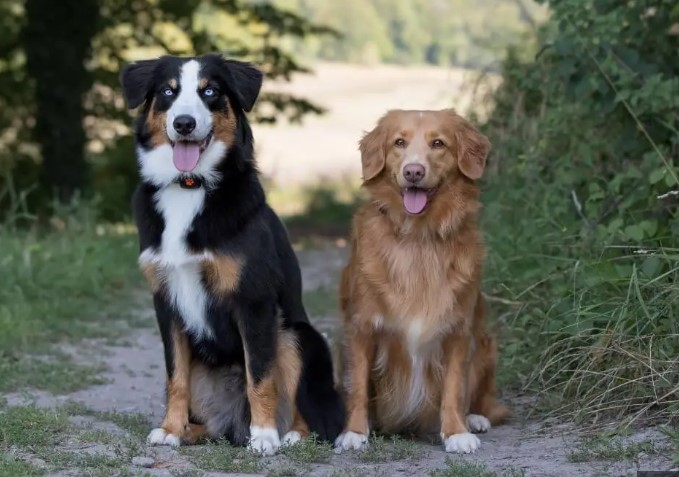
(168, 92)
(209, 92)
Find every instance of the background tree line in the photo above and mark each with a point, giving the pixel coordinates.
(438, 32)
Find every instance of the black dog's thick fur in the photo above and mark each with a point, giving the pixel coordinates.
(236, 221)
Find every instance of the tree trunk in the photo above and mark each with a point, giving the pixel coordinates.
(57, 41)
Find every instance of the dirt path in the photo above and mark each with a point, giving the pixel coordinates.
(135, 378)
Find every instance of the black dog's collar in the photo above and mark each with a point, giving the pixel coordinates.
(190, 182)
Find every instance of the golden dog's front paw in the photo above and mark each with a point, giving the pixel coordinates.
(351, 441)
(464, 443)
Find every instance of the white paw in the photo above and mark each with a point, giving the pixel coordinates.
(160, 437)
(478, 423)
(351, 441)
(465, 443)
(291, 437)
(264, 440)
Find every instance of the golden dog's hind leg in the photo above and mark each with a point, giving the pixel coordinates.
(483, 402)
(455, 396)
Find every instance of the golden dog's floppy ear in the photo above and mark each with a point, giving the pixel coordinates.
(472, 148)
(373, 152)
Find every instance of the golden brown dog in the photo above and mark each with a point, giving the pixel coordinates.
(416, 354)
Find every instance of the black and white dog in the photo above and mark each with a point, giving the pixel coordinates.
(242, 360)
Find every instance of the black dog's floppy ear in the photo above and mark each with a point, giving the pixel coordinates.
(136, 81)
(245, 80)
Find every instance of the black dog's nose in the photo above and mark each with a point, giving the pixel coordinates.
(184, 124)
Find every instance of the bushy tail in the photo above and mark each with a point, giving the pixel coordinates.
(318, 401)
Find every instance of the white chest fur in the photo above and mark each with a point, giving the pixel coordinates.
(180, 269)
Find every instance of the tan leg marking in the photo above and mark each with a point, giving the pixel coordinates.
(178, 386)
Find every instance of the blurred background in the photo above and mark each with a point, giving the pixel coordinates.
(579, 98)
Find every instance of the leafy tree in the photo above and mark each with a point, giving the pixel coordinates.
(56, 42)
(59, 72)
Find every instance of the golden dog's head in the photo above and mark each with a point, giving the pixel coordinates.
(424, 161)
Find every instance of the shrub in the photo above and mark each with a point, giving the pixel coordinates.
(581, 213)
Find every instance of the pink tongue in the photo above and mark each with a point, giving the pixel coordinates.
(414, 200)
(185, 156)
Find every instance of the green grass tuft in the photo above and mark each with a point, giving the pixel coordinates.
(308, 451)
(136, 424)
(31, 426)
(381, 449)
(10, 466)
(461, 468)
(606, 447)
(223, 457)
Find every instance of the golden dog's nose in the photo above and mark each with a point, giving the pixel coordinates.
(413, 173)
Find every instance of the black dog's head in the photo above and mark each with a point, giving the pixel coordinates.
(191, 110)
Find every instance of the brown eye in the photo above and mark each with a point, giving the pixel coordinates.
(437, 144)
(400, 142)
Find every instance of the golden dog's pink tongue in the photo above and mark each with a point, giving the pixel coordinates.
(185, 156)
(414, 200)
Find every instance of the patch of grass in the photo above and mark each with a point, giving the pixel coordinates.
(99, 436)
(95, 465)
(673, 435)
(461, 468)
(387, 450)
(10, 466)
(308, 451)
(605, 447)
(321, 302)
(135, 423)
(61, 286)
(57, 374)
(31, 426)
(223, 457)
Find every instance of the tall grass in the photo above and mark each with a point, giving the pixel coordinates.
(60, 282)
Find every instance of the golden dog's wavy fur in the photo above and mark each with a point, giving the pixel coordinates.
(416, 354)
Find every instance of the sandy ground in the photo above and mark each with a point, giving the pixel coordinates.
(135, 378)
(355, 96)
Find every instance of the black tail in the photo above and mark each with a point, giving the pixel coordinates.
(318, 401)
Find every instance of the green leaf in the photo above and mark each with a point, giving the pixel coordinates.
(650, 227)
(657, 175)
(651, 266)
(634, 232)
(615, 225)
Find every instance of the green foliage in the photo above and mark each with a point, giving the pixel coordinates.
(581, 218)
(604, 447)
(45, 68)
(61, 285)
